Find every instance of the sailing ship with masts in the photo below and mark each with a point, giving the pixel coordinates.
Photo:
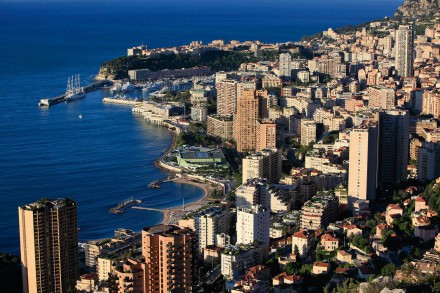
(74, 90)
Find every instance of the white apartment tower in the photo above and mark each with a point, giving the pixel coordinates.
(253, 223)
(285, 65)
(252, 192)
(363, 162)
(404, 50)
(208, 224)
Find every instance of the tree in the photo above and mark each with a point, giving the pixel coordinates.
(292, 268)
(388, 270)
(10, 271)
(296, 252)
(348, 286)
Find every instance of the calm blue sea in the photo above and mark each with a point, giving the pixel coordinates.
(108, 155)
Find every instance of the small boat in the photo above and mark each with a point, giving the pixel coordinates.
(80, 116)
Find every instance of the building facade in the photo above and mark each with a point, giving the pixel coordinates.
(404, 50)
(49, 245)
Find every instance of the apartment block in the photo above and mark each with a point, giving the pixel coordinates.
(253, 223)
(266, 134)
(252, 192)
(364, 165)
(220, 126)
(264, 164)
(49, 245)
(169, 257)
(319, 211)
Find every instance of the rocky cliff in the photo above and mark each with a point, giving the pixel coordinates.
(418, 9)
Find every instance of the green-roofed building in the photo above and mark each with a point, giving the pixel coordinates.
(200, 157)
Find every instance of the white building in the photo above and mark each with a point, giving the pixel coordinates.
(252, 192)
(285, 66)
(264, 164)
(104, 267)
(253, 223)
(208, 224)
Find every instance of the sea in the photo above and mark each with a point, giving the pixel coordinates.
(108, 155)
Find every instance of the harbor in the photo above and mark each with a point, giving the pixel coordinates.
(63, 98)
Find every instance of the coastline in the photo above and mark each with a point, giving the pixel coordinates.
(172, 215)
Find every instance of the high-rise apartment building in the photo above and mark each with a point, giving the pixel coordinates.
(428, 162)
(285, 66)
(253, 223)
(363, 162)
(221, 126)
(49, 245)
(264, 164)
(308, 131)
(253, 192)
(226, 96)
(245, 121)
(394, 145)
(266, 134)
(169, 257)
(404, 50)
(208, 224)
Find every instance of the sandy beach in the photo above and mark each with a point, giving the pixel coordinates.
(173, 215)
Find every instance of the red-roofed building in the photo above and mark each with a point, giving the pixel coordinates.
(303, 240)
(87, 282)
(259, 272)
(419, 221)
(320, 268)
(284, 278)
(329, 243)
(393, 211)
(344, 256)
(380, 229)
(352, 230)
(420, 204)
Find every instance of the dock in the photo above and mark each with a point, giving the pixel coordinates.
(148, 209)
(119, 209)
(62, 98)
(157, 183)
(121, 102)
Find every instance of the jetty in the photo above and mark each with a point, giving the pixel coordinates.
(119, 209)
(157, 183)
(148, 209)
(62, 98)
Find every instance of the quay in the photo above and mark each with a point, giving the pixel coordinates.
(148, 209)
(121, 102)
(156, 183)
(62, 98)
(119, 209)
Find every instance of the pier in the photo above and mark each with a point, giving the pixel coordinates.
(157, 183)
(148, 209)
(119, 209)
(62, 98)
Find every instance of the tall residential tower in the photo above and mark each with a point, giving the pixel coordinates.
(404, 50)
(49, 245)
